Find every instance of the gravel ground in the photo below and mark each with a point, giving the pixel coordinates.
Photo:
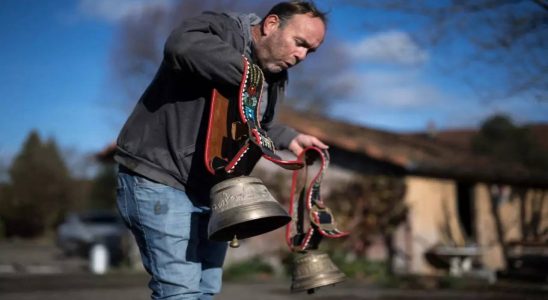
(133, 286)
(38, 270)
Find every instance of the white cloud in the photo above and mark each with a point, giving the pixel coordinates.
(389, 47)
(401, 90)
(395, 89)
(116, 10)
(406, 100)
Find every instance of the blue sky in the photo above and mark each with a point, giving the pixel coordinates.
(54, 71)
(53, 65)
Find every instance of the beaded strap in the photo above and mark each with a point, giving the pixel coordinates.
(252, 142)
(306, 205)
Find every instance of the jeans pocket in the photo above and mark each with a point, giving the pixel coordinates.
(162, 209)
(123, 193)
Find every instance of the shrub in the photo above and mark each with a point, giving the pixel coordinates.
(249, 269)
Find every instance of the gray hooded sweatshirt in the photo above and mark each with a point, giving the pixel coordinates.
(164, 137)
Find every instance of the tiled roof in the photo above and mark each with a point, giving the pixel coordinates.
(416, 153)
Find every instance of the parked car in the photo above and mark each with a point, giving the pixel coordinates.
(94, 235)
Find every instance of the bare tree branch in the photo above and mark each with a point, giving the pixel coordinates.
(505, 38)
(542, 4)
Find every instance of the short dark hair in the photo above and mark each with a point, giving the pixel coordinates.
(286, 10)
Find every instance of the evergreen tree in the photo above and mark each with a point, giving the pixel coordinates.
(39, 190)
(501, 139)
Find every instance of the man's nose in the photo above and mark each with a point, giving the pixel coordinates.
(300, 54)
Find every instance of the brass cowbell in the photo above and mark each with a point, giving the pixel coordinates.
(314, 269)
(242, 207)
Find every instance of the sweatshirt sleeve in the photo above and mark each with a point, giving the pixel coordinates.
(281, 135)
(201, 46)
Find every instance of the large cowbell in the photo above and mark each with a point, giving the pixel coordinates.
(312, 270)
(242, 207)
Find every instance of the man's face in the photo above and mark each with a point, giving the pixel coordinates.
(281, 47)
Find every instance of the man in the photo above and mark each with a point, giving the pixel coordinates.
(163, 185)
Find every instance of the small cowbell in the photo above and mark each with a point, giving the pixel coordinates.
(314, 269)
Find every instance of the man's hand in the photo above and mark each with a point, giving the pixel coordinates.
(302, 141)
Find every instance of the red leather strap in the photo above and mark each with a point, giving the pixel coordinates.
(311, 218)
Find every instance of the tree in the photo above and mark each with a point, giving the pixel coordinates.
(500, 139)
(39, 189)
(370, 206)
(3, 169)
(103, 189)
(503, 42)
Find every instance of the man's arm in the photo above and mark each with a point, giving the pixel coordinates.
(302, 141)
(281, 135)
(198, 47)
(287, 138)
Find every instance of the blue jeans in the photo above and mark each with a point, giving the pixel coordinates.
(171, 231)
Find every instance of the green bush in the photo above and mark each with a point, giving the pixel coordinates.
(249, 269)
(360, 267)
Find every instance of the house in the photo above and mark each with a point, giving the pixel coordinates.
(474, 205)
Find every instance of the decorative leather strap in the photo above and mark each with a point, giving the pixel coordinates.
(307, 208)
(235, 138)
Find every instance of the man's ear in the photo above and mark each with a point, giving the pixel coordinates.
(270, 24)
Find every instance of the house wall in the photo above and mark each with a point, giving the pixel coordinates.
(542, 196)
(486, 230)
(432, 221)
(509, 209)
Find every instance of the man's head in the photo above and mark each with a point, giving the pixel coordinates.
(288, 33)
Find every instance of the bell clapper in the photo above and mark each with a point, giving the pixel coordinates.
(234, 243)
(310, 291)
